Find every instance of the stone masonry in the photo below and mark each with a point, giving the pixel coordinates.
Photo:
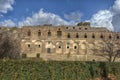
(64, 42)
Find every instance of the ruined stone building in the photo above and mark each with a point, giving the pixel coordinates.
(64, 42)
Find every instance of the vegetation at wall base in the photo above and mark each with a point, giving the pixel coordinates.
(57, 70)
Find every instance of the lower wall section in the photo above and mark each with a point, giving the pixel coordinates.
(67, 57)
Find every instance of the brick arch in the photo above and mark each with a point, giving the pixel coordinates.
(76, 47)
(38, 46)
(59, 47)
(50, 47)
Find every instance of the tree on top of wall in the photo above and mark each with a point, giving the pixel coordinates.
(83, 24)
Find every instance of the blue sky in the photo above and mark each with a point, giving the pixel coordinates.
(24, 8)
(58, 12)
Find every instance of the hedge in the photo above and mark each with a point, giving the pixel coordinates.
(56, 70)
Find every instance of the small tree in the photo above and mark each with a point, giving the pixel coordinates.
(83, 24)
(110, 50)
(80, 24)
(9, 46)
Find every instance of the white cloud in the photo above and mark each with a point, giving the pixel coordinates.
(6, 5)
(8, 23)
(116, 6)
(41, 18)
(108, 18)
(102, 18)
(73, 16)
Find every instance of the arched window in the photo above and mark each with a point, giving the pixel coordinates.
(59, 46)
(28, 45)
(68, 35)
(79, 28)
(39, 33)
(67, 47)
(39, 45)
(110, 36)
(66, 27)
(59, 33)
(75, 47)
(118, 36)
(49, 33)
(77, 36)
(101, 36)
(29, 33)
(93, 36)
(85, 36)
(85, 28)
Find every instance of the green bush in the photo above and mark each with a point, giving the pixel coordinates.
(55, 70)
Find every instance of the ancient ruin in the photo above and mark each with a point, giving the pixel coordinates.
(65, 42)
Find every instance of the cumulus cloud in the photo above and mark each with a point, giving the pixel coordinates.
(102, 18)
(108, 18)
(116, 6)
(6, 5)
(42, 18)
(73, 16)
(8, 23)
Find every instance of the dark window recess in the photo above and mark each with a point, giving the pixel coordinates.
(59, 29)
(93, 36)
(66, 27)
(39, 33)
(75, 47)
(24, 55)
(37, 55)
(48, 42)
(110, 36)
(79, 28)
(85, 36)
(29, 33)
(59, 33)
(39, 46)
(101, 36)
(59, 47)
(77, 36)
(73, 27)
(118, 37)
(48, 50)
(85, 28)
(67, 47)
(68, 35)
(28, 45)
(49, 33)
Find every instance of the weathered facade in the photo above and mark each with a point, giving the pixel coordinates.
(64, 42)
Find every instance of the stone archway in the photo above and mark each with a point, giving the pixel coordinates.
(38, 47)
(50, 47)
(75, 48)
(59, 47)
